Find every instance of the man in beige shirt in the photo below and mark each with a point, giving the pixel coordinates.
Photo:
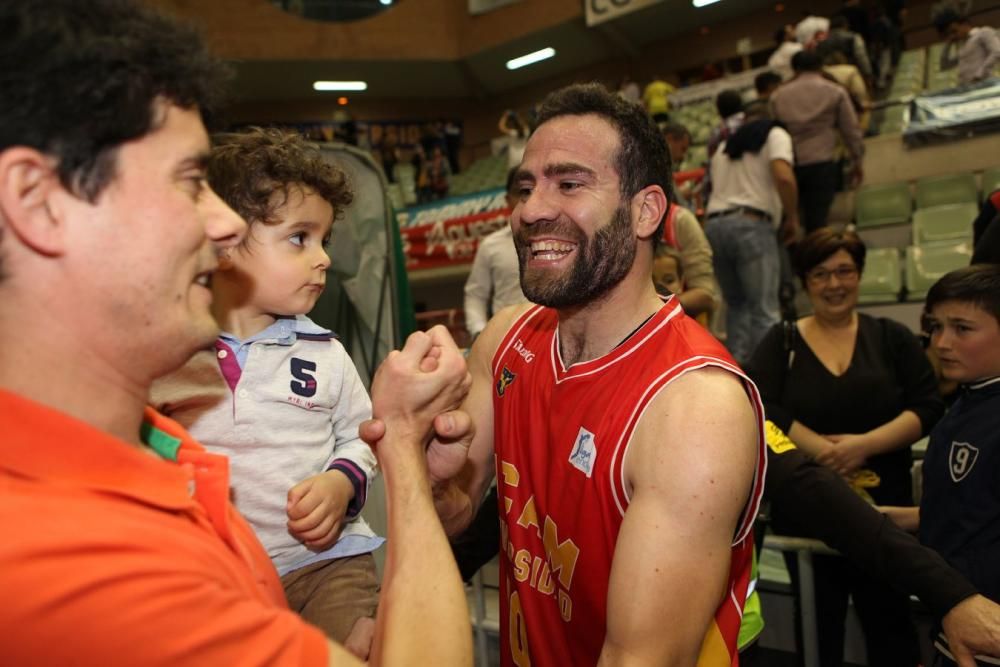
(815, 110)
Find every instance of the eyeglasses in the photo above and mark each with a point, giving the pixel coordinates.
(843, 273)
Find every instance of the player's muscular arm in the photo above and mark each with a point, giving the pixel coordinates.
(457, 499)
(690, 468)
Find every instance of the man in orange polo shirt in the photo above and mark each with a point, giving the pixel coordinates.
(120, 543)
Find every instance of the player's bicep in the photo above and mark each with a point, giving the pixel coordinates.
(690, 468)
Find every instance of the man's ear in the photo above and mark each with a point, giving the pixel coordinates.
(650, 205)
(29, 189)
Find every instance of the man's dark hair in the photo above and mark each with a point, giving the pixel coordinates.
(978, 285)
(642, 159)
(511, 173)
(764, 81)
(729, 102)
(79, 79)
(676, 130)
(806, 61)
(821, 244)
(255, 171)
(946, 18)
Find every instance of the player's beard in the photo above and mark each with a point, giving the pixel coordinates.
(601, 262)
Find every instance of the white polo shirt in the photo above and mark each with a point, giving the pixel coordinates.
(748, 181)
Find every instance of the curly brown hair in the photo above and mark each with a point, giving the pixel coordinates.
(255, 170)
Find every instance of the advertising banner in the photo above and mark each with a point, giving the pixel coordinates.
(447, 232)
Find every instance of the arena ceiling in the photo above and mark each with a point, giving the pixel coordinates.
(483, 74)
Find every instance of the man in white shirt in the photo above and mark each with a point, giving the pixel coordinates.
(494, 281)
(978, 48)
(753, 185)
(781, 60)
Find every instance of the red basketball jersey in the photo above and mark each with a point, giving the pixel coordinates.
(560, 437)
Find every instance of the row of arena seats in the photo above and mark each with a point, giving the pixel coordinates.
(917, 232)
(939, 206)
(919, 71)
(485, 173)
(887, 279)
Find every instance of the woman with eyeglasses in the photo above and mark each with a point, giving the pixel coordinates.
(854, 392)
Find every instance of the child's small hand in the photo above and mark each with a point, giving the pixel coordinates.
(316, 508)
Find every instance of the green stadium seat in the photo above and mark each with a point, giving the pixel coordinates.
(912, 74)
(953, 189)
(882, 279)
(942, 80)
(991, 181)
(926, 264)
(700, 133)
(950, 222)
(883, 205)
(406, 176)
(893, 119)
(696, 157)
(912, 56)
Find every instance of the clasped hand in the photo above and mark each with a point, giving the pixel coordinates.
(415, 396)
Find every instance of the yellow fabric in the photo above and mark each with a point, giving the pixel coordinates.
(713, 649)
(655, 97)
(776, 438)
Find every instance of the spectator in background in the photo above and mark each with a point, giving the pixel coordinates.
(683, 233)
(453, 144)
(678, 140)
(978, 48)
(656, 97)
(753, 183)
(435, 176)
(781, 60)
(629, 90)
(729, 104)
(959, 514)
(854, 392)
(887, 42)
(835, 64)
(668, 276)
(815, 110)
(494, 281)
(810, 30)
(516, 130)
(858, 19)
(388, 157)
(840, 39)
(765, 84)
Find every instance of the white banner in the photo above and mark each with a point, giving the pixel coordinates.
(599, 11)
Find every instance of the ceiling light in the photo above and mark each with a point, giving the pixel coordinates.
(531, 58)
(340, 85)
(385, 2)
(702, 3)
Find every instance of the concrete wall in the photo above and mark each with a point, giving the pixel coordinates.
(888, 160)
